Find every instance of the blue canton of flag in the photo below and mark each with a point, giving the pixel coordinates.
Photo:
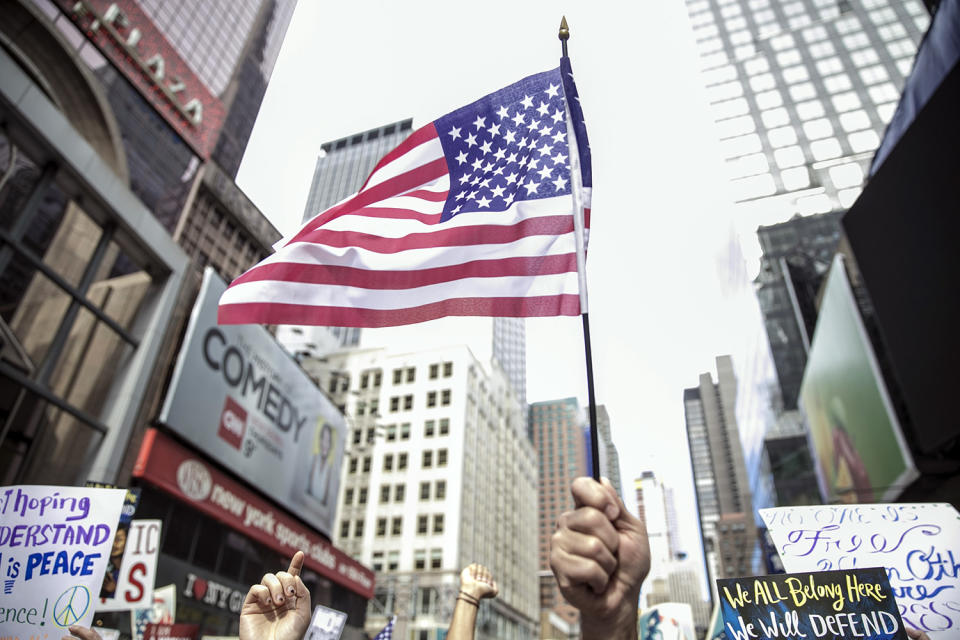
(387, 632)
(508, 146)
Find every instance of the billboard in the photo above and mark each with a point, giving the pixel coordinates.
(240, 398)
(125, 34)
(860, 450)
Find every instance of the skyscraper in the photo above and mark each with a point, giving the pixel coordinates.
(724, 501)
(801, 92)
(439, 473)
(347, 162)
(796, 257)
(609, 458)
(557, 429)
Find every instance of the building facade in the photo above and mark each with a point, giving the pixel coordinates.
(558, 439)
(724, 502)
(439, 473)
(801, 92)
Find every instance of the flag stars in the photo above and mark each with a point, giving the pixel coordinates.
(553, 90)
(500, 154)
(518, 119)
(533, 125)
(511, 158)
(545, 149)
(511, 178)
(454, 133)
(471, 140)
(560, 183)
(462, 157)
(531, 187)
(510, 136)
(494, 130)
(559, 158)
(527, 102)
(487, 168)
(498, 192)
(557, 115)
(502, 112)
(545, 130)
(486, 147)
(508, 199)
(479, 122)
(483, 203)
(477, 164)
(465, 178)
(543, 109)
(545, 172)
(558, 136)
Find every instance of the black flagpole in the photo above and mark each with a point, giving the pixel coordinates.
(564, 35)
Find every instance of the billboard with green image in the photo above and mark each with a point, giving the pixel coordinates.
(860, 450)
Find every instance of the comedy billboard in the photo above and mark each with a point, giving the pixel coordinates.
(240, 398)
(861, 453)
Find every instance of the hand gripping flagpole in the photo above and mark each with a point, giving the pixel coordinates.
(579, 231)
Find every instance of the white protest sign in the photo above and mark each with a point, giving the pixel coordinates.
(54, 544)
(163, 611)
(138, 570)
(326, 624)
(918, 545)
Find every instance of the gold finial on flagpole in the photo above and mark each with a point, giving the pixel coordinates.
(564, 33)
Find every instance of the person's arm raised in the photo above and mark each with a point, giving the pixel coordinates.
(600, 556)
(279, 607)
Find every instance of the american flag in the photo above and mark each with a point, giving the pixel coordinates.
(387, 632)
(472, 215)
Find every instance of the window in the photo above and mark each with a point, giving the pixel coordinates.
(810, 110)
(444, 426)
(357, 436)
(847, 101)
(348, 497)
(816, 129)
(822, 49)
(366, 464)
(436, 558)
(405, 431)
(394, 404)
(345, 529)
(361, 407)
(396, 526)
(358, 529)
(352, 468)
(775, 117)
(364, 380)
(424, 490)
(825, 149)
(838, 83)
(438, 523)
(431, 398)
(408, 402)
(399, 492)
(427, 459)
(391, 432)
(854, 120)
(422, 525)
(447, 369)
(388, 462)
(384, 493)
(782, 137)
(362, 496)
(381, 527)
(445, 398)
(788, 157)
(434, 371)
(374, 407)
(377, 378)
(401, 462)
(763, 82)
(440, 490)
(442, 458)
(420, 559)
(393, 561)
(411, 373)
(428, 428)
(397, 376)
(377, 563)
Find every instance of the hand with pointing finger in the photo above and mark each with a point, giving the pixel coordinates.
(600, 557)
(279, 607)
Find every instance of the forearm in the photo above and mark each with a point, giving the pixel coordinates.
(464, 621)
(603, 630)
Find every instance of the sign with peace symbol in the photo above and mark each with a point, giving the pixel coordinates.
(71, 606)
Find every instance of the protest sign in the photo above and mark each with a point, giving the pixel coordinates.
(856, 603)
(917, 544)
(326, 624)
(163, 611)
(175, 631)
(667, 621)
(112, 573)
(138, 569)
(54, 544)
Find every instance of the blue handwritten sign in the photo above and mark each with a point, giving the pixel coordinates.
(856, 603)
(917, 544)
(54, 544)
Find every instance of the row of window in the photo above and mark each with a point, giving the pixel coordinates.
(407, 375)
(419, 560)
(394, 526)
(428, 460)
(433, 397)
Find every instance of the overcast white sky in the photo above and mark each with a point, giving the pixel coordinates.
(661, 209)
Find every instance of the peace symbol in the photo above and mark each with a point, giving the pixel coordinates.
(71, 605)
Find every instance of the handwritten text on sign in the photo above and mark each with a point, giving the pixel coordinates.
(917, 544)
(842, 604)
(54, 543)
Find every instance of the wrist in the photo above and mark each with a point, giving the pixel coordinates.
(619, 625)
(471, 591)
